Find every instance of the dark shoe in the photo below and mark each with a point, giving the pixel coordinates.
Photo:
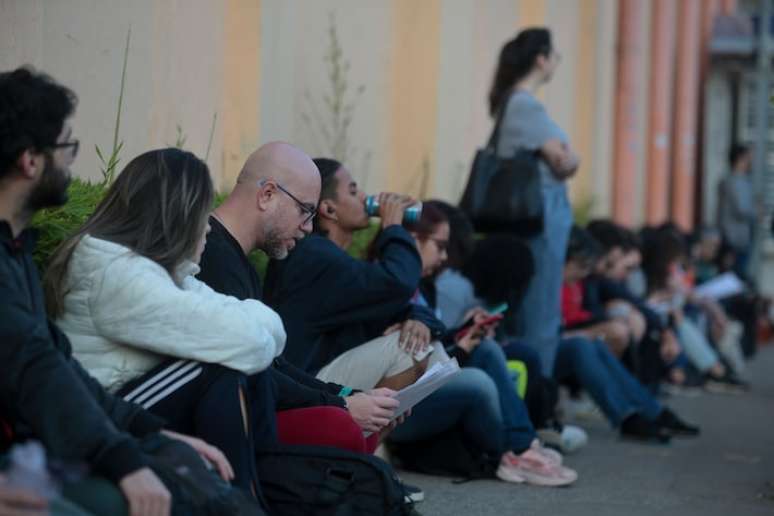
(675, 426)
(726, 384)
(638, 428)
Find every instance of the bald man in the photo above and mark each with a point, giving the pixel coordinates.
(274, 200)
(270, 209)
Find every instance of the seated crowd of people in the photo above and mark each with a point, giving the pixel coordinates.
(152, 337)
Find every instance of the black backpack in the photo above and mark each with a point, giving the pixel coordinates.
(196, 489)
(329, 482)
(447, 454)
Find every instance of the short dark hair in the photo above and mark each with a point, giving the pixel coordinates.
(328, 183)
(432, 217)
(610, 235)
(462, 240)
(500, 269)
(661, 246)
(33, 110)
(736, 151)
(583, 246)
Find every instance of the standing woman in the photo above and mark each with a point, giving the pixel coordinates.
(527, 63)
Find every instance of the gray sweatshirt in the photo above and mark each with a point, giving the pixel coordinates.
(736, 210)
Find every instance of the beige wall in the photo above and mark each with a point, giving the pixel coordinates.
(425, 67)
(175, 70)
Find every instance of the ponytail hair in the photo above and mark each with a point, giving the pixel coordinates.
(517, 58)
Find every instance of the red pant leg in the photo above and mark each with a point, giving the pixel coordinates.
(323, 426)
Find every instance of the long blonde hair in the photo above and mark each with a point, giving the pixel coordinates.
(157, 207)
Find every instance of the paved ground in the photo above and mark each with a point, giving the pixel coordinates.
(728, 471)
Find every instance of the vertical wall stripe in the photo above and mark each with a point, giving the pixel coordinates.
(658, 150)
(604, 106)
(686, 113)
(629, 86)
(238, 120)
(729, 7)
(585, 87)
(531, 13)
(415, 62)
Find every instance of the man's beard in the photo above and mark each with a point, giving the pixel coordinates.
(51, 191)
(274, 246)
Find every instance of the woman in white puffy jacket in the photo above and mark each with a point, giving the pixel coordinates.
(123, 290)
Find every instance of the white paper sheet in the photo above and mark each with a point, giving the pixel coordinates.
(723, 286)
(434, 378)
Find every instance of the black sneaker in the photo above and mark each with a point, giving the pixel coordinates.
(675, 426)
(638, 428)
(726, 384)
(414, 494)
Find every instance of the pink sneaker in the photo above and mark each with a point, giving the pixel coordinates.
(552, 456)
(532, 468)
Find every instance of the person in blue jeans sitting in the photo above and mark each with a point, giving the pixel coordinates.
(623, 399)
(473, 347)
(499, 270)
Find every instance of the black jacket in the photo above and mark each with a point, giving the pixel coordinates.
(331, 302)
(44, 391)
(226, 269)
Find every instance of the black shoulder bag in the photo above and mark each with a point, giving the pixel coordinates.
(503, 195)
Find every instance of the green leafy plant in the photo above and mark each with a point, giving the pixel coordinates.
(110, 161)
(56, 224)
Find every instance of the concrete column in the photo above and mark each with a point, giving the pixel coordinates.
(686, 113)
(629, 92)
(662, 42)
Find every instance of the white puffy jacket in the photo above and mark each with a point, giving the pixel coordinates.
(124, 314)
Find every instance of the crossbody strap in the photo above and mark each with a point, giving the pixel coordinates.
(495, 136)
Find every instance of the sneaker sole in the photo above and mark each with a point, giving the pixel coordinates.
(507, 475)
(414, 498)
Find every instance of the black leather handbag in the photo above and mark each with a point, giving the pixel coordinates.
(503, 195)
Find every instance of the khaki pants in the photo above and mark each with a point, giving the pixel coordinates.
(366, 365)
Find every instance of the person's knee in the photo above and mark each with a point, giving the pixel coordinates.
(320, 426)
(489, 352)
(637, 325)
(479, 386)
(618, 336)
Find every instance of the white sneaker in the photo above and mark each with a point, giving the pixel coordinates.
(566, 438)
(581, 409)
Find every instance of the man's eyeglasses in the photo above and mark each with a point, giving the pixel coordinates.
(74, 144)
(309, 211)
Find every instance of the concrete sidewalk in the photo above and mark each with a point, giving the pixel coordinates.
(728, 471)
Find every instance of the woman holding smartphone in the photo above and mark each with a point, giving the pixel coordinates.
(525, 458)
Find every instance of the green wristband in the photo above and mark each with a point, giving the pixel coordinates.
(345, 391)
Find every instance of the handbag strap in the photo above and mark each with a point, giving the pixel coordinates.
(495, 136)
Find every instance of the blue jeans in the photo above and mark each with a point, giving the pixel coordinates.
(489, 356)
(540, 314)
(607, 381)
(539, 398)
(469, 400)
